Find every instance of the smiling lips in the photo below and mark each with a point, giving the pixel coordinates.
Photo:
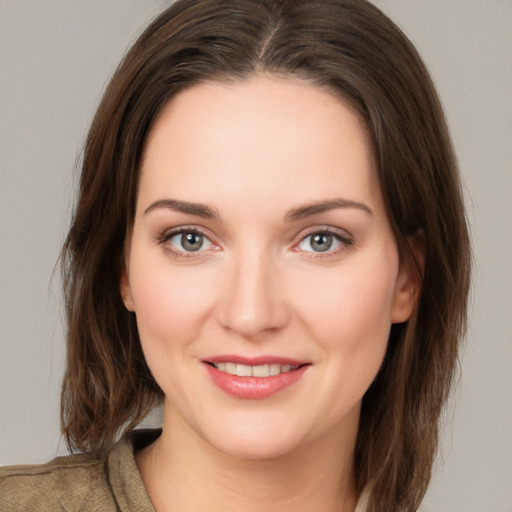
(254, 381)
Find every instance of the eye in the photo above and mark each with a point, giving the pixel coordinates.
(323, 242)
(189, 241)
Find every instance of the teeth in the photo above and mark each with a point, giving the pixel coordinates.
(243, 370)
(230, 368)
(275, 369)
(262, 370)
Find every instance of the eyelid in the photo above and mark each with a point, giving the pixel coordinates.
(186, 228)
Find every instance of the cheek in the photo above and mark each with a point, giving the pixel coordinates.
(170, 302)
(349, 297)
(348, 311)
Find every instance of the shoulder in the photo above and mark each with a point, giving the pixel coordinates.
(81, 483)
(75, 482)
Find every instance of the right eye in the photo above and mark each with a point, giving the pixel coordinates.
(189, 241)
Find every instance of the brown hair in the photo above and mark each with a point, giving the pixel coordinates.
(353, 50)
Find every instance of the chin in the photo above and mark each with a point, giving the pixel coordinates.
(256, 449)
(256, 441)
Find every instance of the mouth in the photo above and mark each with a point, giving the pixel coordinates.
(261, 370)
(263, 378)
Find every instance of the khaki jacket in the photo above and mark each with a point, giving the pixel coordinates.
(80, 483)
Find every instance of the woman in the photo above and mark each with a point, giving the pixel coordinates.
(269, 239)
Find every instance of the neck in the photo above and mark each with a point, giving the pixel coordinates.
(183, 472)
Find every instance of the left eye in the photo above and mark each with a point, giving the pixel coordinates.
(320, 242)
(190, 241)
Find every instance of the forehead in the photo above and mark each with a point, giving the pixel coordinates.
(261, 137)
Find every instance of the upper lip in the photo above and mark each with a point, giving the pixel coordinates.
(254, 361)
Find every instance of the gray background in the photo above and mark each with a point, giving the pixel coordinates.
(55, 57)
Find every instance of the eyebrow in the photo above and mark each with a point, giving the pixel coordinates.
(301, 212)
(311, 209)
(197, 209)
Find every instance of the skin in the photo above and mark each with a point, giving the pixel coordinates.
(255, 152)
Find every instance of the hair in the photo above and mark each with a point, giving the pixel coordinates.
(353, 50)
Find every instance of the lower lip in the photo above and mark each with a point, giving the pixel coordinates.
(254, 388)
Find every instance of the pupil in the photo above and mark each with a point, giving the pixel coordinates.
(321, 242)
(192, 241)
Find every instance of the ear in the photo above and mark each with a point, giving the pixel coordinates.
(125, 289)
(409, 280)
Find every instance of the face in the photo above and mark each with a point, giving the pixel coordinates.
(261, 267)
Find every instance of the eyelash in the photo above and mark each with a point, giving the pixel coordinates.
(344, 240)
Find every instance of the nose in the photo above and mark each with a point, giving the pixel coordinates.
(254, 302)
